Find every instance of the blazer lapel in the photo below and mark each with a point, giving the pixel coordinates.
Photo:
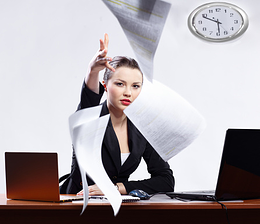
(110, 140)
(136, 144)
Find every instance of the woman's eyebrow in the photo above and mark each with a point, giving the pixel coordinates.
(117, 80)
(121, 80)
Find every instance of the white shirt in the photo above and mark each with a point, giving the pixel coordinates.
(124, 157)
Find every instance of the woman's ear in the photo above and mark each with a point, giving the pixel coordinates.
(105, 86)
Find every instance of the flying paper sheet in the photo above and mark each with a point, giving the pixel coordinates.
(81, 117)
(165, 119)
(75, 120)
(87, 140)
(143, 22)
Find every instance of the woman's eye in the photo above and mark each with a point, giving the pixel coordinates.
(136, 86)
(119, 84)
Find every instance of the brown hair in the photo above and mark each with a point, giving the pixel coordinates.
(120, 61)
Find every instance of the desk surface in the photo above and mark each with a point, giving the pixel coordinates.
(159, 208)
(157, 202)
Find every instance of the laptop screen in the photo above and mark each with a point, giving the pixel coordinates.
(32, 176)
(239, 176)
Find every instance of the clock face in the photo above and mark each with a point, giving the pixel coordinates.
(218, 22)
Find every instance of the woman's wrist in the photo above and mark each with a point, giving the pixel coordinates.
(92, 81)
(121, 188)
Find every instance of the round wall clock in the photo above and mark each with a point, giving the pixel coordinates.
(218, 22)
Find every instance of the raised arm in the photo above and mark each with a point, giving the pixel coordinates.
(98, 63)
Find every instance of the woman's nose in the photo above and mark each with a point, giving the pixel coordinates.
(127, 92)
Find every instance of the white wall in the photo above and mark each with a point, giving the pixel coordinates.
(45, 47)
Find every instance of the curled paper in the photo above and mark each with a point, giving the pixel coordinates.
(142, 22)
(165, 119)
(87, 136)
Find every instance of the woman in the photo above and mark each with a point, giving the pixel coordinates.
(123, 145)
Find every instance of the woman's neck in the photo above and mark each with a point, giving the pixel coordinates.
(118, 118)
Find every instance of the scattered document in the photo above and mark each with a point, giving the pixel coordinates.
(165, 119)
(81, 117)
(142, 22)
(75, 120)
(125, 198)
(87, 141)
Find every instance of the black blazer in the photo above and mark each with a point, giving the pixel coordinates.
(161, 179)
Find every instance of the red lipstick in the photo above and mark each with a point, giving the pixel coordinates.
(125, 102)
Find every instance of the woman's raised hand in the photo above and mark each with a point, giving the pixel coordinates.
(100, 60)
(98, 63)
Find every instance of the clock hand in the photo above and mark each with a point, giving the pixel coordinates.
(216, 21)
(218, 26)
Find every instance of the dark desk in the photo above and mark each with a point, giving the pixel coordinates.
(159, 209)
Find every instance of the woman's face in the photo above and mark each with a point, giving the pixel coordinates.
(123, 87)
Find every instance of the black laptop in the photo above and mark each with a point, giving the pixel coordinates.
(34, 176)
(239, 173)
